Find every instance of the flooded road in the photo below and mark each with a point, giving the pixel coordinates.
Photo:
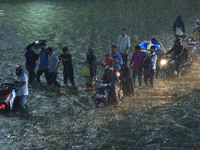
(164, 117)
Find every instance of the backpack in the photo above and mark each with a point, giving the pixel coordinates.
(147, 64)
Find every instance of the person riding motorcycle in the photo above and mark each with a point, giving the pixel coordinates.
(177, 54)
(196, 36)
(197, 25)
(110, 77)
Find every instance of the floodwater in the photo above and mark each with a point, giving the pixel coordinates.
(164, 117)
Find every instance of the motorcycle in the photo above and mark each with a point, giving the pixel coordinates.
(168, 67)
(7, 96)
(103, 93)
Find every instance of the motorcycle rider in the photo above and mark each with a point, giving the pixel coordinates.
(196, 36)
(22, 88)
(110, 77)
(177, 54)
(197, 25)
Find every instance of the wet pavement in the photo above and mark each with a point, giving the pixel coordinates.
(163, 117)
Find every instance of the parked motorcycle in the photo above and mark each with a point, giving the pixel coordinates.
(7, 96)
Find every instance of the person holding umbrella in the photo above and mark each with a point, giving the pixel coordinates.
(31, 58)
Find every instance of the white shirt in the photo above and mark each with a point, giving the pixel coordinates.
(123, 43)
(179, 31)
(53, 62)
(154, 60)
(23, 90)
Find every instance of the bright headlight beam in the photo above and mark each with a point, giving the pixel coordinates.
(163, 62)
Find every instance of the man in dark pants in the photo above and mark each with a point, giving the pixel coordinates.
(177, 52)
(54, 64)
(68, 72)
(31, 58)
(137, 61)
(150, 67)
(43, 66)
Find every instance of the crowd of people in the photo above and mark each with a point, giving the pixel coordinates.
(115, 63)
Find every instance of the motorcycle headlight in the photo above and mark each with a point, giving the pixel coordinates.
(163, 62)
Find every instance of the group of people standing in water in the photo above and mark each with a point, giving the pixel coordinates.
(49, 64)
(115, 63)
(117, 59)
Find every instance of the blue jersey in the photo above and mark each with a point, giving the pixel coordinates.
(43, 58)
(118, 56)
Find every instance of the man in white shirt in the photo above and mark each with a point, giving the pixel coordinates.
(149, 69)
(54, 64)
(124, 45)
(22, 88)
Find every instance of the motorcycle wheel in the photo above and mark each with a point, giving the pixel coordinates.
(161, 74)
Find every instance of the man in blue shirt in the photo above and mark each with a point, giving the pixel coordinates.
(54, 64)
(116, 65)
(115, 53)
(43, 66)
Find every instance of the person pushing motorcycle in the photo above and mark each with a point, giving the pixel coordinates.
(177, 52)
(110, 77)
(22, 89)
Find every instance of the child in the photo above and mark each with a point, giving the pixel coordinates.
(108, 61)
(116, 66)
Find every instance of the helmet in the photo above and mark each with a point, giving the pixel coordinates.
(19, 70)
(108, 68)
(198, 28)
(198, 21)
